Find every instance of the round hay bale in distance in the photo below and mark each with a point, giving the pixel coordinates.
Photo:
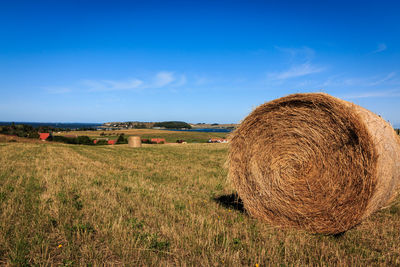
(314, 162)
(134, 141)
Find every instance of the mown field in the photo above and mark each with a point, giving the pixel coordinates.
(170, 136)
(156, 205)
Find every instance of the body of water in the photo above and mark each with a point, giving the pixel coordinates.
(204, 130)
(64, 125)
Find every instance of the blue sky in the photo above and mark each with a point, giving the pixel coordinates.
(195, 61)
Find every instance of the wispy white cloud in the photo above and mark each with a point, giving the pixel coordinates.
(384, 79)
(162, 79)
(296, 71)
(181, 81)
(374, 94)
(124, 85)
(201, 80)
(159, 80)
(300, 62)
(378, 80)
(381, 47)
(110, 85)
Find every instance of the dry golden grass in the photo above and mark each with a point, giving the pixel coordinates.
(12, 138)
(170, 136)
(116, 132)
(155, 205)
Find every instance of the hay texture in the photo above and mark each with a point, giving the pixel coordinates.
(134, 141)
(314, 162)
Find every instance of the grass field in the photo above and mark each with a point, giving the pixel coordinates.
(170, 136)
(156, 205)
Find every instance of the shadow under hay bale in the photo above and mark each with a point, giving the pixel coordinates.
(314, 162)
(231, 201)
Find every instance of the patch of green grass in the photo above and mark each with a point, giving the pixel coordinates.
(179, 206)
(158, 243)
(135, 223)
(83, 227)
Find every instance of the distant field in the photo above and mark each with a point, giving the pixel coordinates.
(156, 205)
(170, 136)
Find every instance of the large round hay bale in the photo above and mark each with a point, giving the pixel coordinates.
(314, 162)
(134, 141)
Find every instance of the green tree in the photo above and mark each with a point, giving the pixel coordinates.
(173, 125)
(84, 140)
(121, 139)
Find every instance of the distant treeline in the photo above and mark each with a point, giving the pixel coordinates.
(139, 126)
(84, 140)
(57, 125)
(80, 140)
(23, 130)
(30, 131)
(173, 125)
(147, 125)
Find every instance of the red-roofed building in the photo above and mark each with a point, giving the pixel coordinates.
(112, 142)
(43, 136)
(218, 140)
(158, 141)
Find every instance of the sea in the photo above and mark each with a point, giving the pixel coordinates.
(204, 130)
(63, 125)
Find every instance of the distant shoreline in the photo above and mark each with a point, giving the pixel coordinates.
(65, 125)
(204, 130)
(77, 125)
